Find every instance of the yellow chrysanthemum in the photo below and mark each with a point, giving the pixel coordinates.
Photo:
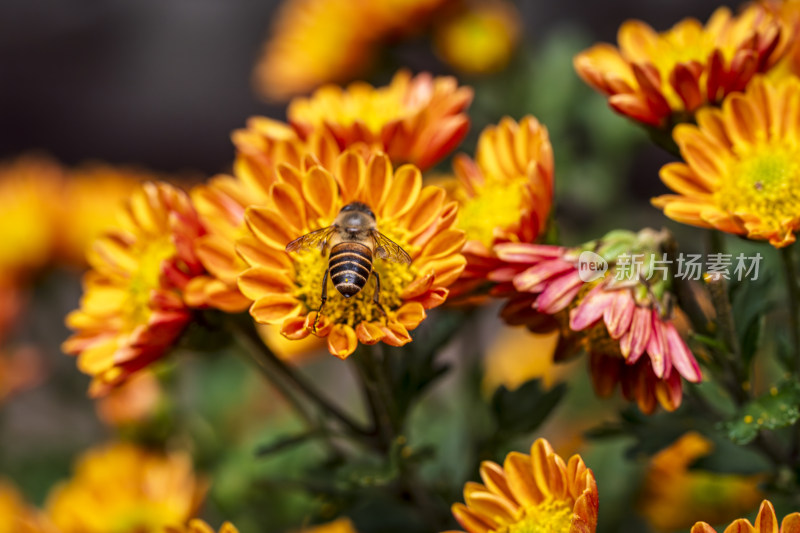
(199, 526)
(126, 489)
(132, 310)
(264, 148)
(30, 200)
(654, 76)
(531, 493)
(742, 169)
(90, 202)
(329, 41)
(479, 39)
(674, 496)
(286, 289)
(766, 522)
(417, 119)
(517, 355)
(505, 194)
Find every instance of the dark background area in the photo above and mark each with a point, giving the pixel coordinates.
(161, 83)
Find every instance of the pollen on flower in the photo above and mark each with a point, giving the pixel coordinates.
(553, 516)
(310, 268)
(496, 206)
(764, 182)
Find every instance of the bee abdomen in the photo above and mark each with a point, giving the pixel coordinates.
(350, 264)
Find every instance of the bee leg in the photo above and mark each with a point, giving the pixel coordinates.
(376, 296)
(324, 299)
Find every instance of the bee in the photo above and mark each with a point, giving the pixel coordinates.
(353, 239)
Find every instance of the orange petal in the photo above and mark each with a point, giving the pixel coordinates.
(275, 308)
(350, 171)
(519, 474)
(321, 192)
(425, 211)
(411, 314)
(289, 205)
(256, 282)
(379, 178)
(267, 225)
(791, 523)
(766, 521)
(470, 521)
(369, 332)
(403, 192)
(342, 341)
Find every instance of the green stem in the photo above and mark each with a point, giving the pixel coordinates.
(261, 353)
(368, 373)
(794, 302)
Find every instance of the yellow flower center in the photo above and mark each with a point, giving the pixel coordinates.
(146, 278)
(765, 183)
(310, 268)
(497, 205)
(553, 516)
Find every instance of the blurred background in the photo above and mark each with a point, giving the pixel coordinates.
(158, 86)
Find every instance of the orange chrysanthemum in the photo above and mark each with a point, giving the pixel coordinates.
(16, 516)
(286, 289)
(329, 41)
(199, 526)
(674, 495)
(536, 492)
(341, 525)
(132, 310)
(653, 77)
(415, 120)
(264, 148)
(766, 522)
(126, 489)
(742, 169)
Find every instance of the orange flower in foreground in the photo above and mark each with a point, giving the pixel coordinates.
(329, 41)
(766, 522)
(132, 310)
(198, 526)
(417, 119)
(617, 318)
(536, 492)
(126, 489)
(675, 495)
(661, 78)
(16, 516)
(341, 525)
(742, 169)
(287, 289)
(264, 149)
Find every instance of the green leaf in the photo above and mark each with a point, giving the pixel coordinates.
(523, 409)
(777, 409)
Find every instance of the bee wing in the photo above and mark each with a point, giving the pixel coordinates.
(309, 241)
(389, 250)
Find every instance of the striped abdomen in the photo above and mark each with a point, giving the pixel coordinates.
(350, 264)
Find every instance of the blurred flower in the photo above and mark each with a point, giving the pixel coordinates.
(132, 310)
(198, 526)
(30, 199)
(517, 356)
(788, 13)
(20, 368)
(416, 119)
(741, 173)
(766, 522)
(342, 525)
(479, 39)
(536, 492)
(264, 148)
(126, 489)
(673, 496)
(287, 289)
(329, 41)
(659, 79)
(90, 204)
(621, 315)
(133, 402)
(16, 516)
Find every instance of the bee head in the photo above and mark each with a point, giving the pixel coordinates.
(358, 207)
